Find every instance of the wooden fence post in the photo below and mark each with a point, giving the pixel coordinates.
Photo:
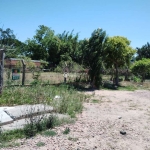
(2, 55)
(23, 71)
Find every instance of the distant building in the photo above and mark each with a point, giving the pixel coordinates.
(12, 62)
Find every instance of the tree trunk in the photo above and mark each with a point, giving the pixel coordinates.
(143, 77)
(126, 75)
(116, 76)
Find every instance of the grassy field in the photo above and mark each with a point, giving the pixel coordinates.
(126, 85)
(45, 77)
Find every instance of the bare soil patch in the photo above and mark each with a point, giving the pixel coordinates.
(99, 125)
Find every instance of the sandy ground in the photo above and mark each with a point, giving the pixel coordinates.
(98, 126)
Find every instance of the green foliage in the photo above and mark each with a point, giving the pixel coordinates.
(40, 144)
(136, 79)
(30, 65)
(6, 136)
(36, 48)
(30, 129)
(95, 51)
(46, 45)
(70, 66)
(70, 103)
(117, 53)
(49, 133)
(10, 43)
(143, 52)
(35, 126)
(69, 46)
(50, 122)
(141, 67)
(72, 139)
(9, 144)
(66, 131)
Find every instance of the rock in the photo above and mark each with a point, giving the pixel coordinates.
(57, 97)
(119, 117)
(122, 132)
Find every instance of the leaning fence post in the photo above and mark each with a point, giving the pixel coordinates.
(2, 55)
(23, 71)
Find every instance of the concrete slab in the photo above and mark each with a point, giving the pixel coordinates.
(5, 118)
(19, 112)
(6, 107)
(19, 124)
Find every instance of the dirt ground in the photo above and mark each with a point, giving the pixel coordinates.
(98, 126)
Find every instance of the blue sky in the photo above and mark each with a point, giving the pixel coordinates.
(128, 18)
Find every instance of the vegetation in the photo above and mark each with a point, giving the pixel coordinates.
(118, 53)
(70, 102)
(141, 68)
(66, 131)
(39, 144)
(143, 52)
(49, 133)
(96, 54)
(95, 51)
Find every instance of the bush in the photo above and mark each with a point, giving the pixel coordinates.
(141, 67)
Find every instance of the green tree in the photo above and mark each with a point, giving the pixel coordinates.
(9, 41)
(6, 36)
(143, 52)
(37, 47)
(83, 53)
(118, 53)
(141, 67)
(69, 46)
(95, 55)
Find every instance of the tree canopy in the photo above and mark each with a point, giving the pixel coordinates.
(143, 52)
(141, 67)
(118, 53)
(94, 51)
(8, 40)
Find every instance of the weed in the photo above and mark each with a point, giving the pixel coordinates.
(8, 144)
(12, 134)
(49, 133)
(30, 130)
(50, 121)
(95, 101)
(71, 103)
(72, 139)
(66, 131)
(127, 88)
(40, 144)
(136, 79)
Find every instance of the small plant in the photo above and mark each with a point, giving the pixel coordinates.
(67, 130)
(136, 79)
(50, 122)
(8, 144)
(95, 101)
(30, 130)
(49, 133)
(72, 139)
(40, 144)
(7, 136)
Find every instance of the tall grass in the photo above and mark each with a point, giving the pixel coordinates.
(70, 100)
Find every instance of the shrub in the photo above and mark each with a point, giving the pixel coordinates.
(141, 67)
